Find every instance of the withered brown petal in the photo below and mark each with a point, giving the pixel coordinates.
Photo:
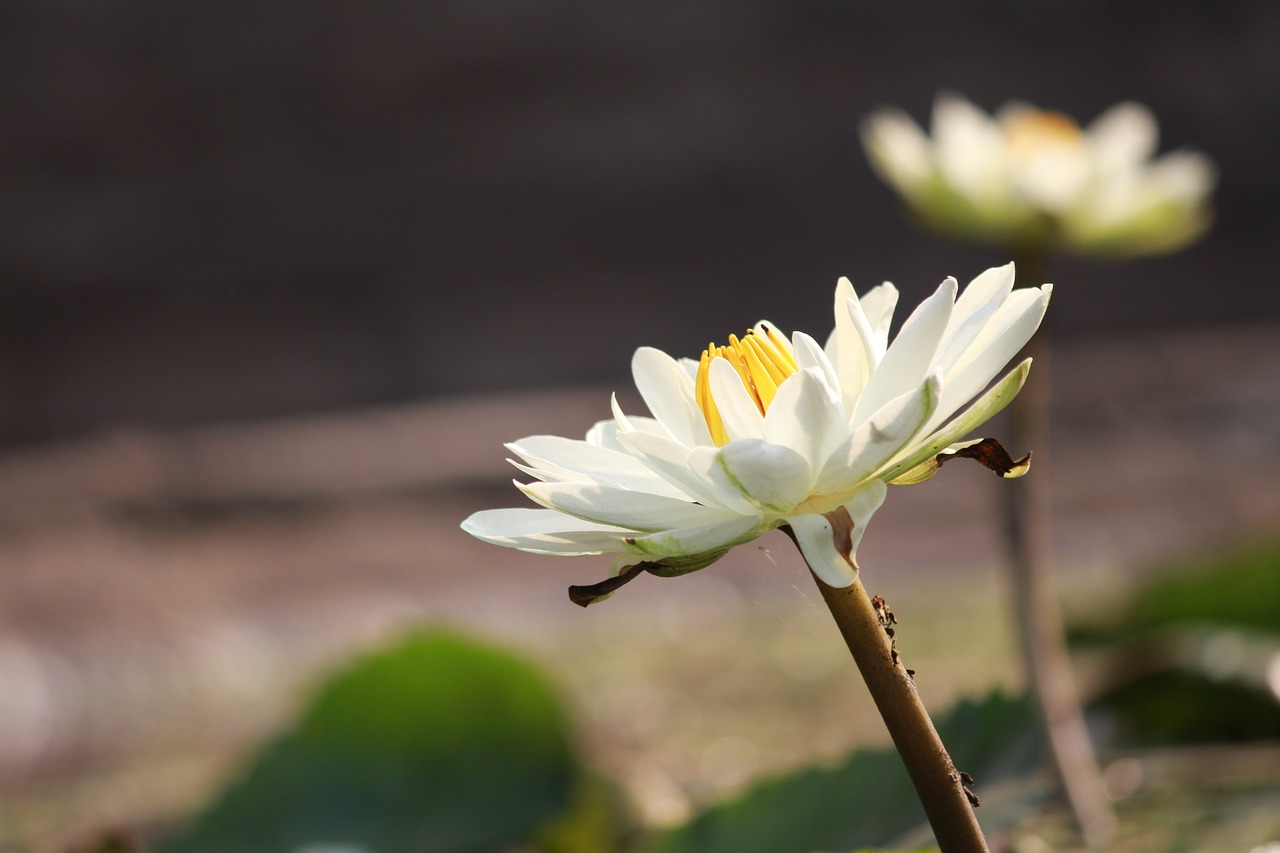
(591, 593)
(992, 454)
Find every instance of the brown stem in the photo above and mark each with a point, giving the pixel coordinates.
(1027, 528)
(934, 776)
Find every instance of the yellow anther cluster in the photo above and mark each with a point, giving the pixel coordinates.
(762, 357)
(1032, 131)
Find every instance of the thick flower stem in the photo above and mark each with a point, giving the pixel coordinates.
(1027, 530)
(936, 780)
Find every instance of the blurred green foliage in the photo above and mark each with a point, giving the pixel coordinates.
(869, 800)
(436, 745)
(1239, 588)
(1192, 655)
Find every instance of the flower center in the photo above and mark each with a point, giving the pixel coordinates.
(1031, 132)
(763, 359)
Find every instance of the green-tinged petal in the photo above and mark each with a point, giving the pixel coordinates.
(669, 459)
(774, 479)
(807, 417)
(611, 505)
(829, 542)
(910, 355)
(738, 412)
(987, 451)
(986, 406)
(882, 437)
(707, 538)
(544, 531)
(668, 392)
(585, 462)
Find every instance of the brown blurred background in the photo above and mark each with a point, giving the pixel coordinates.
(277, 279)
(213, 211)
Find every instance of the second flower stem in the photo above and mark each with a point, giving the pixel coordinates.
(935, 778)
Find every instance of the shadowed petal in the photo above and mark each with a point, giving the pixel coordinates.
(774, 479)
(976, 305)
(807, 417)
(586, 462)
(544, 531)
(699, 540)
(611, 505)
(670, 460)
(668, 392)
(911, 353)
(999, 396)
(738, 411)
(883, 436)
(998, 342)
(829, 542)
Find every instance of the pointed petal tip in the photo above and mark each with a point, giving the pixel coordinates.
(1019, 468)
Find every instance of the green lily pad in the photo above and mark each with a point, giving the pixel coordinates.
(435, 745)
(869, 800)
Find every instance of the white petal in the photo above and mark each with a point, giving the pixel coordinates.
(549, 475)
(898, 149)
(836, 563)
(668, 392)
(806, 416)
(605, 433)
(998, 342)
(1183, 175)
(879, 439)
(774, 479)
(999, 396)
(974, 307)
(969, 146)
(544, 531)
(810, 356)
(585, 462)
(911, 354)
(700, 540)
(611, 505)
(669, 459)
(878, 304)
(738, 411)
(1122, 137)
(851, 347)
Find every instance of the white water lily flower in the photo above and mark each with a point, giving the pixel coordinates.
(1028, 178)
(767, 432)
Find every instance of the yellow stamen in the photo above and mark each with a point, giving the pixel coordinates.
(763, 359)
(1031, 131)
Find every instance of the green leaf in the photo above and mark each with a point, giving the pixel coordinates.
(1190, 656)
(1178, 707)
(869, 800)
(1241, 587)
(436, 745)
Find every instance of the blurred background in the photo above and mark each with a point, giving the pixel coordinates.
(276, 281)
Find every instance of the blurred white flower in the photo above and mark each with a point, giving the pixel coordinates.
(767, 432)
(1027, 178)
